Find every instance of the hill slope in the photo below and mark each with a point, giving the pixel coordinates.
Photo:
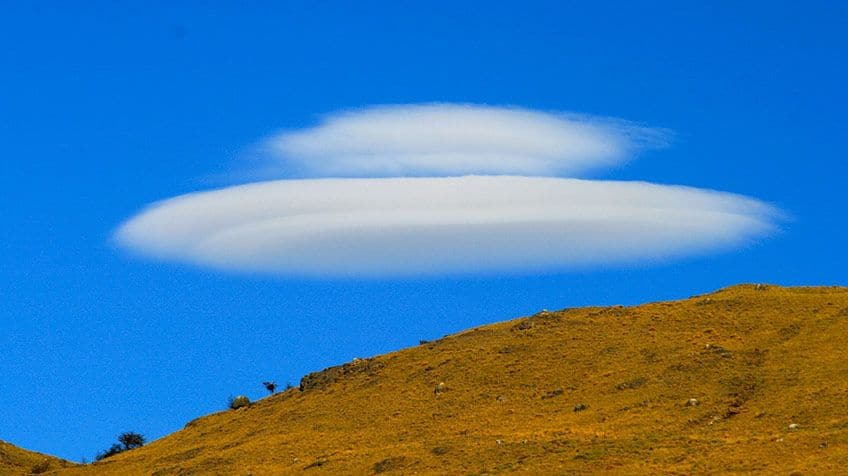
(589, 389)
(14, 461)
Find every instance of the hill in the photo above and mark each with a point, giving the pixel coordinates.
(15, 461)
(751, 378)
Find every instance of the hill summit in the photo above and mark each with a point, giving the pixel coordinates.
(752, 378)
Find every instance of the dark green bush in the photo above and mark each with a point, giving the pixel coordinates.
(112, 451)
(129, 440)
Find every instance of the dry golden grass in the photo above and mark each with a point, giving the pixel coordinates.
(757, 359)
(15, 461)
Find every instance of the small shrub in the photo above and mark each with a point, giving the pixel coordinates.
(553, 393)
(631, 384)
(112, 451)
(41, 467)
(388, 464)
(129, 440)
(238, 402)
(317, 463)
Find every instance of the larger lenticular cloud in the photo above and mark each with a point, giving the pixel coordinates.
(450, 139)
(477, 208)
(405, 226)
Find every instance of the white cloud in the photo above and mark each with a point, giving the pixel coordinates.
(417, 226)
(456, 139)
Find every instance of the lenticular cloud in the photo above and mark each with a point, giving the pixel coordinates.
(487, 222)
(404, 226)
(450, 139)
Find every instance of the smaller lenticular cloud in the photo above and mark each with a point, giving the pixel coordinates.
(455, 139)
(427, 226)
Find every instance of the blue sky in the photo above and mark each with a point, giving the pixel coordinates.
(105, 109)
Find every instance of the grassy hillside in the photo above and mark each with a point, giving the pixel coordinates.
(15, 461)
(746, 379)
